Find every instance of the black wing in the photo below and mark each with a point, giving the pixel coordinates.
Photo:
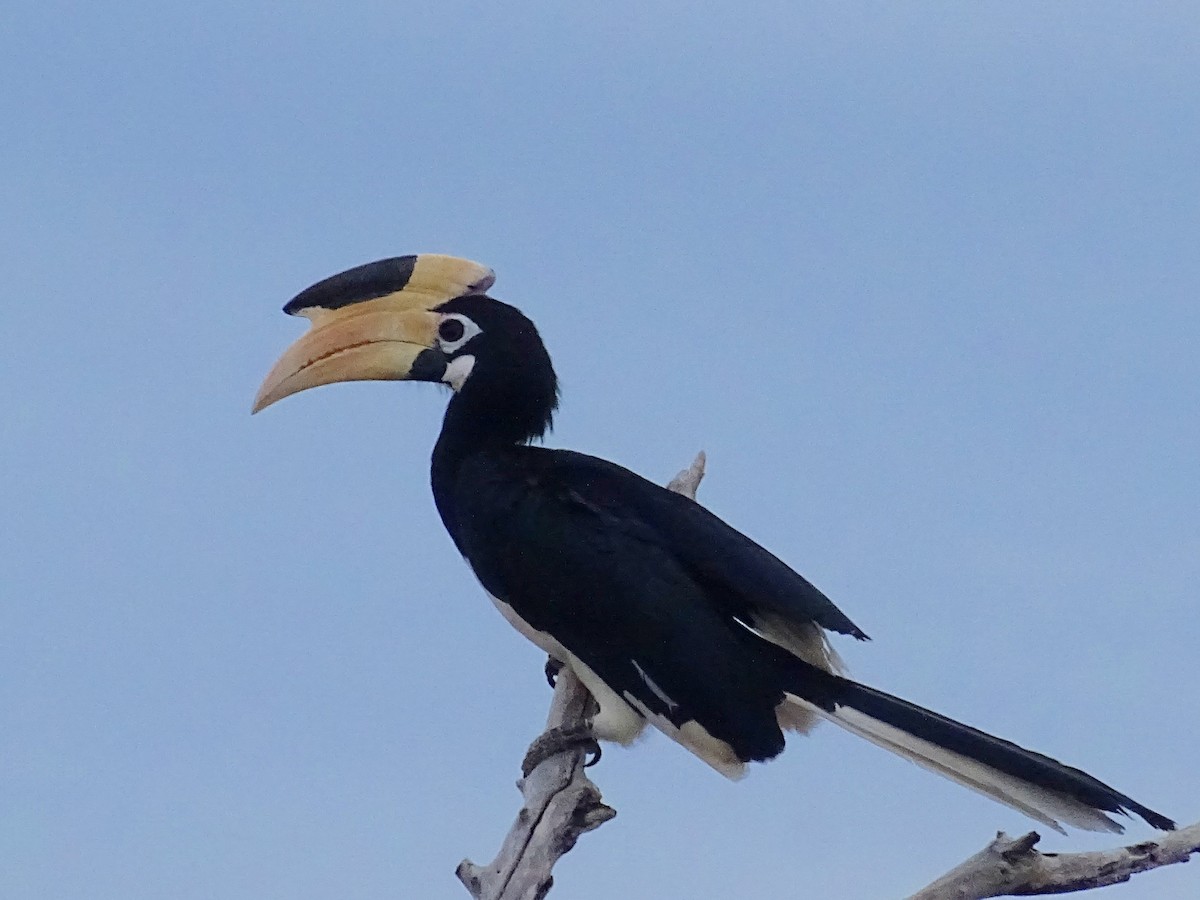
(603, 584)
(731, 565)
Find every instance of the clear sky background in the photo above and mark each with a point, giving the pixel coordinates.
(922, 279)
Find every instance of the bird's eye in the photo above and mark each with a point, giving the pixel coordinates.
(454, 331)
(451, 330)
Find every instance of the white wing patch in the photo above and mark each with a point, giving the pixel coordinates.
(654, 688)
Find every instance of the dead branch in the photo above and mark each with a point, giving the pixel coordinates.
(1010, 867)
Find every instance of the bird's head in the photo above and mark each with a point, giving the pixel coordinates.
(421, 318)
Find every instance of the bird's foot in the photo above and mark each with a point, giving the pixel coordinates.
(561, 740)
(553, 667)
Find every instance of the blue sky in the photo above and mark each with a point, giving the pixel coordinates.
(921, 279)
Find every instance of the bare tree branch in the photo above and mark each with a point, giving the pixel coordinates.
(688, 481)
(1009, 867)
(560, 801)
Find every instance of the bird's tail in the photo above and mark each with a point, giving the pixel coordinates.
(1037, 785)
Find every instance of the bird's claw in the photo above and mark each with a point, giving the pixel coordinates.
(561, 740)
(594, 752)
(553, 667)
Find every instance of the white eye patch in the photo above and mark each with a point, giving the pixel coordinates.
(454, 330)
(459, 371)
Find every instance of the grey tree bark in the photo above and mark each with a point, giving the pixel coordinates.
(1011, 867)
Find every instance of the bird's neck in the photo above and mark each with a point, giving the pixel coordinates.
(478, 421)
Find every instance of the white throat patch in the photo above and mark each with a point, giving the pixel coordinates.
(459, 371)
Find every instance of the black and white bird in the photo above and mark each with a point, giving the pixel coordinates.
(668, 615)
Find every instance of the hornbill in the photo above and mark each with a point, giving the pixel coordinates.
(666, 614)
